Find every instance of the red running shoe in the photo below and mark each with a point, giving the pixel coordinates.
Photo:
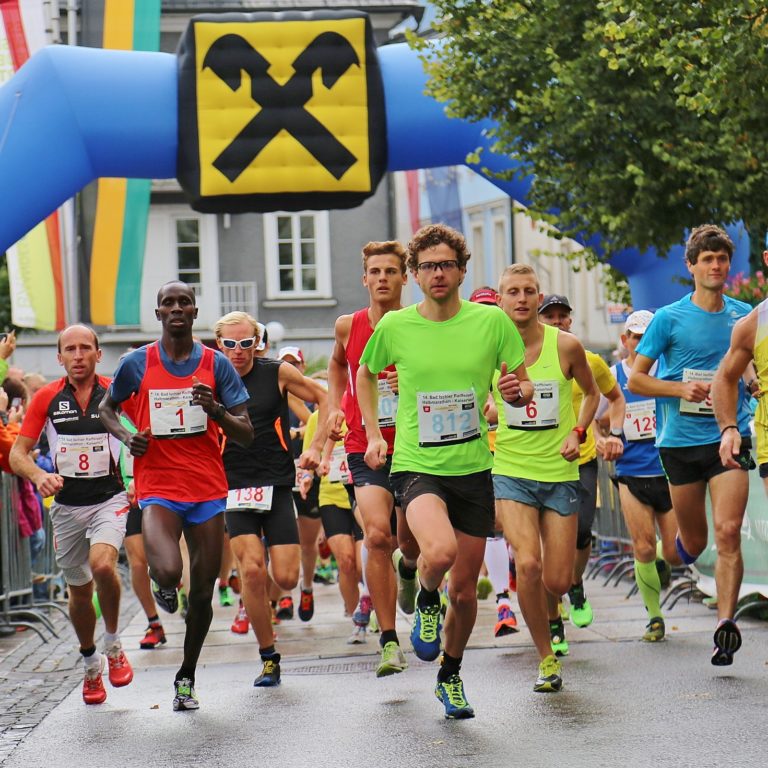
(306, 605)
(241, 624)
(93, 686)
(154, 636)
(120, 670)
(285, 608)
(507, 621)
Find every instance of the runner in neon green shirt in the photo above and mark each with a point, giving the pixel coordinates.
(446, 351)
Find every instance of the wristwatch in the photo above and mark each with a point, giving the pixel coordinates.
(617, 432)
(219, 413)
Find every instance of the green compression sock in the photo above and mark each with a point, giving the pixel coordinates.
(648, 583)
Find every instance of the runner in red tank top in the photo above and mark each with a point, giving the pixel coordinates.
(384, 276)
(185, 393)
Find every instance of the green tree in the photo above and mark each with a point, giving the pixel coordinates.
(637, 118)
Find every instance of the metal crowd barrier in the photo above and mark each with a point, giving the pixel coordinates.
(17, 605)
(614, 557)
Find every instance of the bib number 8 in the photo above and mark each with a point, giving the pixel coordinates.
(83, 462)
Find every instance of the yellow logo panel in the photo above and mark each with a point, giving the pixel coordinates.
(282, 107)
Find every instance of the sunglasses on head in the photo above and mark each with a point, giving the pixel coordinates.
(234, 343)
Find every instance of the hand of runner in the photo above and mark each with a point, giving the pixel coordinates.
(49, 484)
(139, 442)
(335, 424)
(392, 381)
(695, 391)
(730, 447)
(610, 447)
(509, 386)
(309, 459)
(323, 468)
(570, 447)
(202, 395)
(305, 483)
(130, 492)
(376, 453)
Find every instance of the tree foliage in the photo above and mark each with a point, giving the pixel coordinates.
(638, 119)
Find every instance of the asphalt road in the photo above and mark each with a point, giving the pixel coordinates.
(624, 703)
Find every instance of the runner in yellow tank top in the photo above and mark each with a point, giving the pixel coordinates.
(535, 474)
(556, 310)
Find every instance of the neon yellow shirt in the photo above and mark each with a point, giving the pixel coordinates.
(330, 493)
(606, 381)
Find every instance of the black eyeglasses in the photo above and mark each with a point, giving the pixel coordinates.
(234, 343)
(444, 266)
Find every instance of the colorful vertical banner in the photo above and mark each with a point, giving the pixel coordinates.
(35, 262)
(122, 206)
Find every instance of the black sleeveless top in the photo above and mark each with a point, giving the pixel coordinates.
(269, 459)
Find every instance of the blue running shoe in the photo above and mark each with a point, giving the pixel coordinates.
(425, 632)
(451, 693)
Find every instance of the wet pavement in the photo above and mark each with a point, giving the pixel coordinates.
(624, 702)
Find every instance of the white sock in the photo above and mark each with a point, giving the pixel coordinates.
(497, 563)
(111, 639)
(364, 561)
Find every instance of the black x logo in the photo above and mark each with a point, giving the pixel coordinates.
(282, 106)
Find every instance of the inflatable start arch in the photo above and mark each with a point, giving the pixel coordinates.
(256, 112)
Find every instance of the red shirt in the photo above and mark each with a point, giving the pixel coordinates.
(355, 440)
(186, 467)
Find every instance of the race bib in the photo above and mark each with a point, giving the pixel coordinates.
(447, 418)
(83, 455)
(258, 499)
(697, 409)
(172, 414)
(339, 471)
(640, 420)
(387, 404)
(543, 412)
(128, 462)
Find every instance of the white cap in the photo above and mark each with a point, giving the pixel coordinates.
(262, 340)
(638, 321)
(294, 352)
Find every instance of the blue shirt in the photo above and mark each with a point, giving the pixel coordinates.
(684, 336)
(130, 373)
(640, 457)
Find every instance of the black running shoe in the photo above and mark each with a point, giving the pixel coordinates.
(167, 599)
(727, 642)
(270, 675)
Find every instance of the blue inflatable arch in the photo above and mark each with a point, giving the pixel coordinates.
(71, 115)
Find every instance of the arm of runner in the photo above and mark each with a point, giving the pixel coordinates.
(725, 388)
(138, 442)
(338, 375)
(491, 412)
(612, 446)
(307, 390)
(300, 411)
(642, 383)
(23, 465)
(582, 375)
(368, 399)
(515, 387)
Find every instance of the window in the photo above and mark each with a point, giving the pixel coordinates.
(188, 250)
(297, 255)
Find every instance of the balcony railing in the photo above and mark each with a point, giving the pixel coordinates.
(238, 297)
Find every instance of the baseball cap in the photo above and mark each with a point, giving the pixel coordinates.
(555, 300)
(484, 295)
(638, 321)
(293, 352)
